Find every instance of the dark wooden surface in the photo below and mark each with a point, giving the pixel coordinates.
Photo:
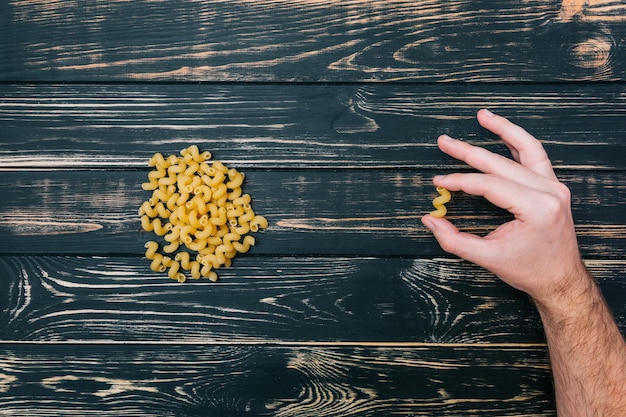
(346, 306)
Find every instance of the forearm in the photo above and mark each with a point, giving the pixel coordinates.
(537, 253)
(587, 351)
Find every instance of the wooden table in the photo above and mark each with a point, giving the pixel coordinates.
(347, 305)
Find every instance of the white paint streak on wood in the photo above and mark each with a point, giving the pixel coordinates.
(202, 71)
(115, 385)
(10, 161)
(355, 224)
(22, 292)
(46, 228)
(6, 381)
(597, 11)
(182, 127)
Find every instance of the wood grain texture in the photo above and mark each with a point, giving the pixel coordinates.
(299, 126)
(593, 10)
(346, 306)
(273, 299)
(343, 212)
(243, 380)
(244, 40)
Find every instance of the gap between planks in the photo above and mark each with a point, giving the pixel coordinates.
(275, 343)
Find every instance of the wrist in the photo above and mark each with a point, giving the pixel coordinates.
(574, 295)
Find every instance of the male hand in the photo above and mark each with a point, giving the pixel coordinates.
(537, 252)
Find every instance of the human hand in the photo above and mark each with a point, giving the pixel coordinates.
(537, 252)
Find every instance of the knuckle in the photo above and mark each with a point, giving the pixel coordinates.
(557, 203)
(551, 208)
(563, 193)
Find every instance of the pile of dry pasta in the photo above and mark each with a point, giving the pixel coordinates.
(199, 209)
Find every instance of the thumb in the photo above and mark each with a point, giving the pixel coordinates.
(451, 240)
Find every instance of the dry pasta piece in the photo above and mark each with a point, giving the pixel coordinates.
(157, 263)
(151, 248)
(183, 258)
(194, 267)
(258, 222)
(199, 209)
(236, 179)
(438, 202)
(172, 247)
(244, 247)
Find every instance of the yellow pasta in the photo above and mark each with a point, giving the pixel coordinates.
(151, 248)
(198, 244)
(241, 229)
(220, 219)
(236, 179)
(195, 269)
(199, 209)
(234, 211)
(219, 192)
(242, 201)
(186, 232)
(156, 258)
(183, 258)
(258, 222)
(192, 168)
(216, 178)
(158, 227)
(156, 160)
(153, 179)
(234, 194)
(183, 181)
(173, 235)
(210, 260)
(157, 263)
(146, 223)
(172, 247)
(438, 202)
(244, 247)
(219, 167)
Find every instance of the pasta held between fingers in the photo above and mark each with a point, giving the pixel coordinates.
(199, 210)
(438, 202)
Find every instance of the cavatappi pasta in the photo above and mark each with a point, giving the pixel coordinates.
(199, 209)
(438, 202)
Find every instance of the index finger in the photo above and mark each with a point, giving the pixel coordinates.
(492, 163)
(526, 149)
(517, 199)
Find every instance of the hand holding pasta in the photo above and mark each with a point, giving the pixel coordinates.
(200, 211)
(537, 252)
(438, 202)
(532, 251)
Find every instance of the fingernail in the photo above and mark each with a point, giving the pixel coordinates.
(438, 177)
(488, 112)
(446, 138)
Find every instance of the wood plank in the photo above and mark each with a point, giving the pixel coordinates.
(237, 380)
(300, 126)
(274, 299)
(593, 10)
(342, 212)
(243, 40)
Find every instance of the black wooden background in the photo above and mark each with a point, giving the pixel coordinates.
(347, 305)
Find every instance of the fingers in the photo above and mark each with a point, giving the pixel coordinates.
(526, 150)
(507, 194)
(451, 240)
(491, 163)
(531, 166)
(474, 156)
